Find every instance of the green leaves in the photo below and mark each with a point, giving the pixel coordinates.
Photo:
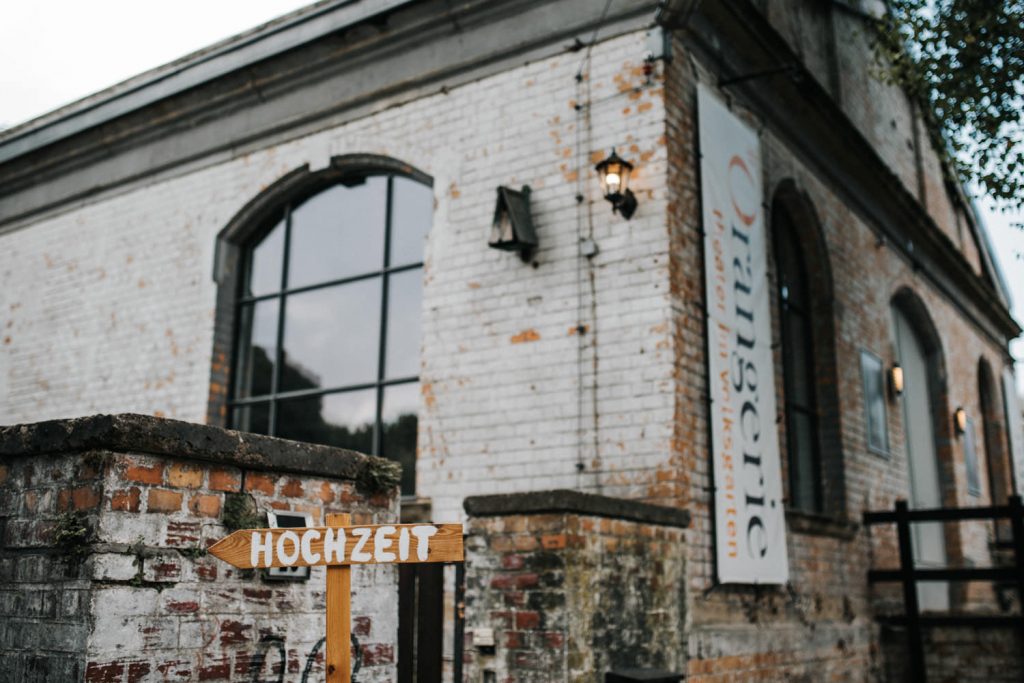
(964, 60)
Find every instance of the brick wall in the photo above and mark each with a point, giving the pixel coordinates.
(573, 586)
(104, 575)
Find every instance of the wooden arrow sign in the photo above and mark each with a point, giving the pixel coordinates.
(340, 545)
(343, 545)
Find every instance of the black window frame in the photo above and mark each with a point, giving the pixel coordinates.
(783, 230)
(238, 256)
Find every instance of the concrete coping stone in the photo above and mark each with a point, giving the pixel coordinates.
(145, 434)
(566, 500)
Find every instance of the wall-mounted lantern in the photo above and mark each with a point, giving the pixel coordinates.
(960, 421)
(513, 225)
(614, 173)
(896, 380)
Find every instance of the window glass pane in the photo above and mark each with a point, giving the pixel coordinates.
(399, 417)
(265, 261)
(412, 210)
(971, 460)
(252, 418)
(338, 233)
(802, 462)
(345, 420)
(797, 361)
(874, 402)
(331, 336)
(257, 348)
(790, 271)
(405, 297)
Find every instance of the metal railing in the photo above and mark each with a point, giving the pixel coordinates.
(909, 576)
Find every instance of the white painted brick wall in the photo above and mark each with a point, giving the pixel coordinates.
(109, 307)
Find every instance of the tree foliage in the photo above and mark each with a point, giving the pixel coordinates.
(964, 59)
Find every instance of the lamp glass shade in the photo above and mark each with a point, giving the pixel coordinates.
(896, 379)
(960, 420)
(614, 173)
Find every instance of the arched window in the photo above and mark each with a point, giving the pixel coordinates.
(802, 439)
(1000, 479)
(811, 434)
(327, 317)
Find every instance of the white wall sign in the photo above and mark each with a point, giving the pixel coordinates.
(750, 526)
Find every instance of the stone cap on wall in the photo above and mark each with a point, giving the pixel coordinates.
(566, 500)
(133, 433)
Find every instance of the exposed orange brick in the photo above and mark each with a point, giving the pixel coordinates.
(31, 501)
(263, 483)
(204, 505)
(184, 476)
(530, 335)
(162, 500)
(326, 493)
(553, 541)
(85, 498)
(5, 471)
(292, 488)
(125, 500)
(143, 474)
(225, 480)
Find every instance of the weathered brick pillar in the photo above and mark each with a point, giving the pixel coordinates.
(573, 585)
(104, 575)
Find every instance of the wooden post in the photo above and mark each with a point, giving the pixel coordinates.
(339, 614)
(910, 604)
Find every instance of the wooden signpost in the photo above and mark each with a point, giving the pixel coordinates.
(339, 545)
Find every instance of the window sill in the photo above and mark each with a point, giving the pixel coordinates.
(811, 524)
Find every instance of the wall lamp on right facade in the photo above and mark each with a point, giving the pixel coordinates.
(960, 421)
(896, 380)
(614, 173)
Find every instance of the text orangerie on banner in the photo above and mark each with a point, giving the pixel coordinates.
(750, 528)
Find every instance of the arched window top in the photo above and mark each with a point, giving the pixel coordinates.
(328, 276)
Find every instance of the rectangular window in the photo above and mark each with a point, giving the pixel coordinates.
(875, 417)
(971, 460)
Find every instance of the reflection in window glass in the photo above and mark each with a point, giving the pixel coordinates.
(405, 298)
(345, 420)
(398, 442)
(337, 362)
(257, 352)
(873, 376)
(252, 418)
(265, 262)
(338, 233)
(412, 207)
(332, 336)
(805, 491)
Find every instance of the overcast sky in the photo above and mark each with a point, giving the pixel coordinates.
(53, 52)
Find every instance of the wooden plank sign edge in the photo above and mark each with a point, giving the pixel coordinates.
(340, 546)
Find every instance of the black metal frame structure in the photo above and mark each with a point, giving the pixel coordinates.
(909, 577)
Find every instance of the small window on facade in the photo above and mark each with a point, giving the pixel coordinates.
(873, 378)
(798, 370)
(329, 320)
(971, 460)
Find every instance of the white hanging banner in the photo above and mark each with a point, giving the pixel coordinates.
(1014, 429)
(750, 525)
